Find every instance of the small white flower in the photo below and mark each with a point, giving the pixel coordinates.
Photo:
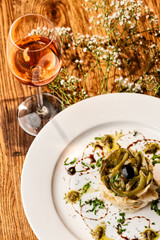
(62, 82)
(119, 61)
(153, 45)
(104, 57)
(112, 4)
(83, 91)
(122, 3)
(99, 16)
(91, 19)
(85, 49)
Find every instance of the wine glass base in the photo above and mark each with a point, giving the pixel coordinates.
(30, 119)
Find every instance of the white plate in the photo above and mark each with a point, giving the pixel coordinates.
(42, 184)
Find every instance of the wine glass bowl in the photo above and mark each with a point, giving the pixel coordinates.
(34, 57)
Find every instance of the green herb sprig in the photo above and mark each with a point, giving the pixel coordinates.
(86, 187)
(154, 157)
(96, 205)
(120, 224)
(98, 163)
(85, 165)
(70, 163)
(98, 138)
(154, 207)
(115, 177)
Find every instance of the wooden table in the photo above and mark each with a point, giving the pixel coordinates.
(14, 142)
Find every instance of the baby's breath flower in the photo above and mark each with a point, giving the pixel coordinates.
(99, 16)
(109, 52)
(91, 19)
(85, 49)
(62, 82)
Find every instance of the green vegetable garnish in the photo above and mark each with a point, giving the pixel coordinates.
(135, 133)
(92, 166)
(84, 164)
(98, 163)
(115, 177)
(70, 163)
(122, 219)
(98, 138)
(154, 157)
(96, 203)
(121, 223)
(86, 187)
(125, 174)
(154, 206)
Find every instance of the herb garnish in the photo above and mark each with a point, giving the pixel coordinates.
(115, 177)
(72, 162)
(98, 163)
(98, 138)
(96, 203)
(85, 165)
(154, 206)
(86, 187)
(120, 223)
(135, 133)
(80, 204)
(122, 219)
(92, 166)
(154, 157)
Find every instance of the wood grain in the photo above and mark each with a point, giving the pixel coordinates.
(14, 143)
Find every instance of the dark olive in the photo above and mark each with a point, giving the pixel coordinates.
(128, 171)
(71, 171)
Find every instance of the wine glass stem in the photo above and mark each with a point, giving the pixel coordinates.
(39, 100)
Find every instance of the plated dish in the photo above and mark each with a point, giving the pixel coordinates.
(91, 172)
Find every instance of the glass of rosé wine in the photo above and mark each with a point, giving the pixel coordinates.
(34, 57)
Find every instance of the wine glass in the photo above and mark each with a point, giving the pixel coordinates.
(34, 57)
